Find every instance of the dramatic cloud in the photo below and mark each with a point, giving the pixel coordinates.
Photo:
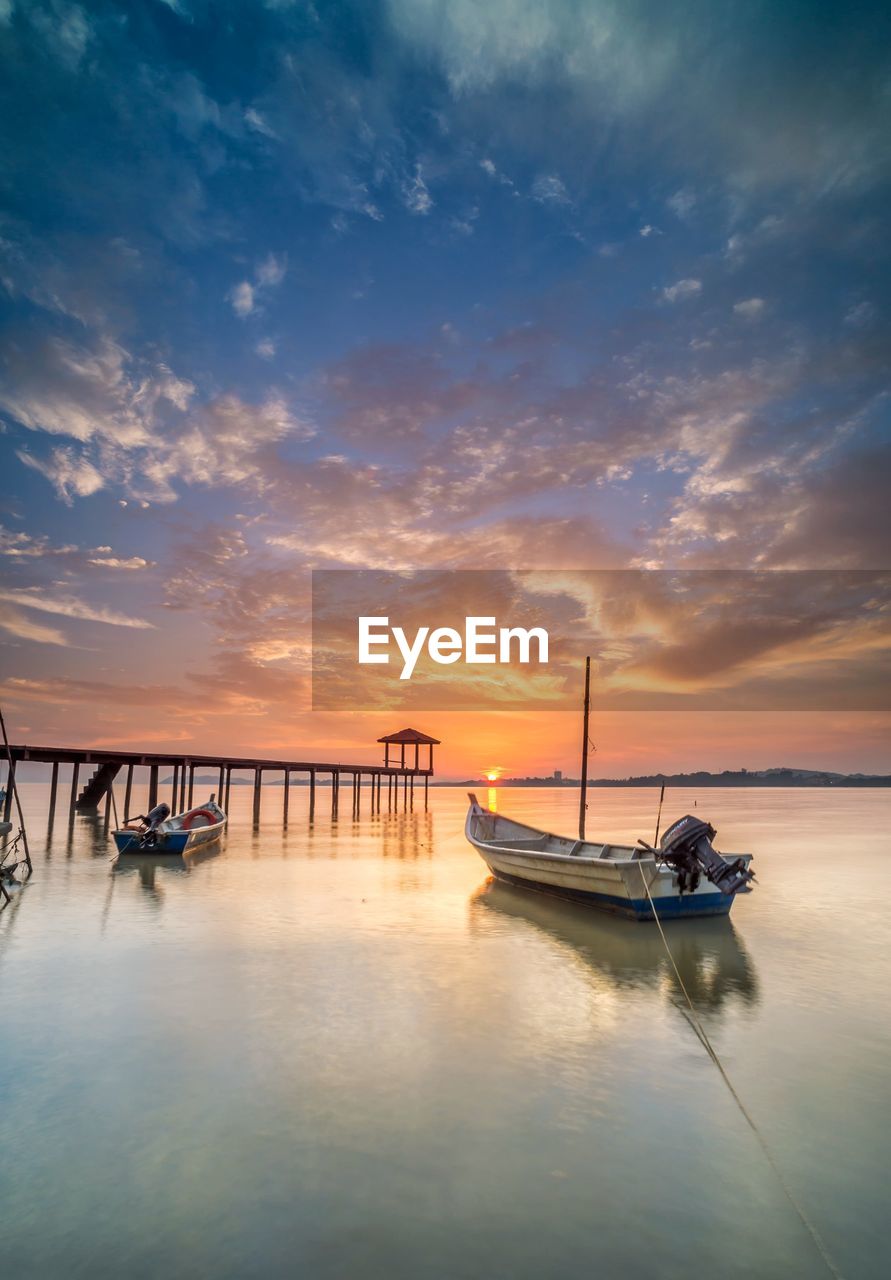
(69, 607)
(242, 298)
(415, 194)
(749, 308)
(548, 188)
(72, 476)
(682, 289)
(427, 285)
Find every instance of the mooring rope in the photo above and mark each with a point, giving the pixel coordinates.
(762, 1142)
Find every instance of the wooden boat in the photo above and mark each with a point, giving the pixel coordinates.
(178, 835)
(684, 876)
(631, 880)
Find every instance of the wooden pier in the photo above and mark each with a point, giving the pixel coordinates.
(97, 788)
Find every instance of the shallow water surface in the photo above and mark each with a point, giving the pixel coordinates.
(340, 1051)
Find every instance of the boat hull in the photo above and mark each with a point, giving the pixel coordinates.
(172, 842)
(667, 908)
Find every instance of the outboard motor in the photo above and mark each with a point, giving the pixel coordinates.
(687, 846)
(153, 820)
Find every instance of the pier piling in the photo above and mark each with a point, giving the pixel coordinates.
(258, 782)
(75, 770)
(54, 786)
(128, 790)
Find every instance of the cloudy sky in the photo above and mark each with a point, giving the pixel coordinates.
(432, 284)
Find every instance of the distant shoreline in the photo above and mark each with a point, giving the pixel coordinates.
(732, 778)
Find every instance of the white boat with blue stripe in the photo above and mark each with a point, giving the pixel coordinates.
(157, 832)
(684, 876)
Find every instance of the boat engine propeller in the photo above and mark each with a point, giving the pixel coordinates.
(687, 847)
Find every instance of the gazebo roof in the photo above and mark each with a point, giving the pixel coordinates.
(410, 735)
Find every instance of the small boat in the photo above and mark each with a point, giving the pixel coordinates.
(684, 876)
(159, 833)
(674, 880)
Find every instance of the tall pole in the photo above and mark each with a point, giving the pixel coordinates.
(659, 815)
(584, 787)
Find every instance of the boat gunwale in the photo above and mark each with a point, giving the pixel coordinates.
(574, 859)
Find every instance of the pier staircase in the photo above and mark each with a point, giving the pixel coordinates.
(97, 788)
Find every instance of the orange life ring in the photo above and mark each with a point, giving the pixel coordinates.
(189, 819)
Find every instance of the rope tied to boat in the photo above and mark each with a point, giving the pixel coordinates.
(702, 1035)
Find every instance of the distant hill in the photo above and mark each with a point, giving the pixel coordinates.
(780, 777)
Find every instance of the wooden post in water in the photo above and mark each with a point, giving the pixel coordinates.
(228, 786)
(11, 787)
(426, 780)
(258, 782)
(191, 784)
(220, 786)
(10, 791)
(312, 794)
(174, 797)
(583, 793)
(182, 787)
(108, 806)
(153, 786)
(54, 786)
(335, 792)
(75, 770)
(128, 791)
(287, 797)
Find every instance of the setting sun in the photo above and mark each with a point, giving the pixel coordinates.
(492, 777)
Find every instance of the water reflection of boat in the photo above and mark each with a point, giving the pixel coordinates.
(146, 865)
(713, 963)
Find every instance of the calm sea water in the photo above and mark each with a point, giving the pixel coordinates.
(340, 1052)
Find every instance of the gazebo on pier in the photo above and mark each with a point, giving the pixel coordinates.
(409, 737)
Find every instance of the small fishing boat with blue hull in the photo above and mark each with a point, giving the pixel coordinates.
(684, 876)
(157, 832)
